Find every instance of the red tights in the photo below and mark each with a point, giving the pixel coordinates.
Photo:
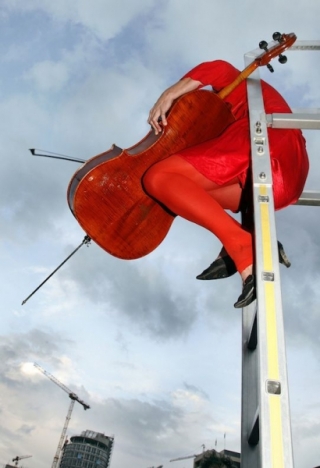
(187, 193)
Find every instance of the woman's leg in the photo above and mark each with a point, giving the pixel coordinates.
(187, 193)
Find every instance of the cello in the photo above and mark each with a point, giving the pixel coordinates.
(106, 195)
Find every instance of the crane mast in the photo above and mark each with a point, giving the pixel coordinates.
(73, 397)
(63, 434)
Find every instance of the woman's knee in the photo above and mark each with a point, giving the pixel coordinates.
(152, 180)
(159, 174)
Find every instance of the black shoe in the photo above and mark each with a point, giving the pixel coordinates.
(224, 267)
(248, 294)
(283, 259)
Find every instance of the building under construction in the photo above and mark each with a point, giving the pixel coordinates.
(214, 459)
(88, 450)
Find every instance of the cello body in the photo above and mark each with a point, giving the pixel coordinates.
(106, 194)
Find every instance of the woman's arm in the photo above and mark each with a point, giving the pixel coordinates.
(166, 99)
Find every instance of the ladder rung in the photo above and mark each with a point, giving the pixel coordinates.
(305, 45)
(295, 120)
(253, 336)
(254, 435)
(309, 198)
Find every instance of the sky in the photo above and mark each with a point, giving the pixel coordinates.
(154, 352)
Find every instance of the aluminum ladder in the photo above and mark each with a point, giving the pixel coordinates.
(266, 440)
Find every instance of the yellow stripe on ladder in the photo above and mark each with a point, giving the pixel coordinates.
(276, 438)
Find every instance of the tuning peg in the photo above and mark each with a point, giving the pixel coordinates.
(282, 58)
(276, 36)
(263, 45)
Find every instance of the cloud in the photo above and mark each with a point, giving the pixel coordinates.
(26, 429)
(26, 195)
(299, 283)
(103, 18)
(33, 343)
(196, 390)
(48, 75)
(198, 40)
(306, 431)
(117, 286)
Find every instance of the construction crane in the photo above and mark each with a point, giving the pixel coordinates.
(183, 458)
(16, 459)
(73, 397)
(189, 456)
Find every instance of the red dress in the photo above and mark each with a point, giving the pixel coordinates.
(228, 156)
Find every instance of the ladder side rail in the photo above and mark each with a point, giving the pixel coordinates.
(274, 414)
(250, 455)
(275, 445)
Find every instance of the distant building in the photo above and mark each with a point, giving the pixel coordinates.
(214, 459)
(88, 450)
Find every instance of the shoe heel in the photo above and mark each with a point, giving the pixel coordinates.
(283, 259)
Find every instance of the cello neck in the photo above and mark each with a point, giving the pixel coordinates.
(243, 76)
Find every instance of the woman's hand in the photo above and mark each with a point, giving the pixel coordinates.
(157, 115)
